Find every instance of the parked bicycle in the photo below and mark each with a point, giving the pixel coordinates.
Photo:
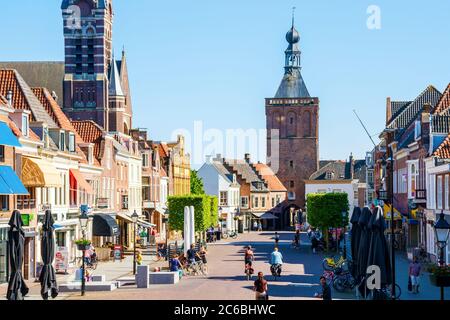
(230, 234)
(330, 263)
(344, 282)
(161, 254)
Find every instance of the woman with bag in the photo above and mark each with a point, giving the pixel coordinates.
(261, 287)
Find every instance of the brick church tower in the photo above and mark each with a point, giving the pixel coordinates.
(293, 117)
(95, 85)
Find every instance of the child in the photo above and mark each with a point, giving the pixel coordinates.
(139, 258)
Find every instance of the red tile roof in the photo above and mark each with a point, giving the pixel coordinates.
(92, 133)
(273, 183)
(22, 96)
(444, 103)
(54, 110)
(443, 151)
(8, 82)
(163, 150)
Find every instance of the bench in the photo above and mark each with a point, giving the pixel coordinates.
(144, 278)
(90, 286)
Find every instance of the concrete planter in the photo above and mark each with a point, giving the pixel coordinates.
(440, 281)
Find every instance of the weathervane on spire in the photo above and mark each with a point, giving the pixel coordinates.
(293, 15)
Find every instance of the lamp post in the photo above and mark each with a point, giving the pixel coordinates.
(441, 230)
(84, 219)
(166, 223)
(220, 220)
(135, 218)
(344, 217)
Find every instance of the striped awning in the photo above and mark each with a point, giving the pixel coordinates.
(39, 173)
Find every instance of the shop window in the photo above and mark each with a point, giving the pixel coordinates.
(60, 239)
(2, 153)
(4, 203)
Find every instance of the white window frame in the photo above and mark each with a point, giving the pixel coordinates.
(446, 191)
(25, 125)
(71, 142)
(244, 202)
(223, 198)
(439, 204)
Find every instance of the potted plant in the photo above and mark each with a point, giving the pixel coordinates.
(83, 244)
(439, 275)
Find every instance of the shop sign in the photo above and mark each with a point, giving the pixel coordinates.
(117, 252)
(61, 259)
(102, 203)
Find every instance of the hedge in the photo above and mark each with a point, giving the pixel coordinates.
(205, 208)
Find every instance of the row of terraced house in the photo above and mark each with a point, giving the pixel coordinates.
(416, 142)
(67, 142)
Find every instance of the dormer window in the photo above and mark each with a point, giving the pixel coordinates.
(417, 130)
(91, 154)
(62, 141)
(45, 137)
(71, 142)
(145, 159)
(330, 175)
(25, 125)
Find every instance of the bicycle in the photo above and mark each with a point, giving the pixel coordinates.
(386, 291)
(161, 254)
(92, 264)
(249, 271)
(196, 268)
(343, 282)
(275, 269)
(330, 263)
(231, 234)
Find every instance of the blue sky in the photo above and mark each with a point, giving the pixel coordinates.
(216, 61)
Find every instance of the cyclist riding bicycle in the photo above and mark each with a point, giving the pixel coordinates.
(249, 256)
(276, 262)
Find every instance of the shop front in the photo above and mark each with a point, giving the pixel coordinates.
(125, 224)
(105, 235)
(3, 253)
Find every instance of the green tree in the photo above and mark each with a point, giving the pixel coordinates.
(204, 207)
(325, 211)
(197, 187)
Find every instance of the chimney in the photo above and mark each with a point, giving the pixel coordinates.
(208, 159)
(425, 118)
(247, 157)
(9, 97)
(352, 166)
(388, 110)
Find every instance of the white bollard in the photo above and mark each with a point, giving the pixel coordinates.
(192, 225)
(187, 229)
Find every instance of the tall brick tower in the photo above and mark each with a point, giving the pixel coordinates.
(93, 81)
(294, 115)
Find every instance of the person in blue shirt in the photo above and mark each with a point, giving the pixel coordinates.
(175, 266)
(276, 261)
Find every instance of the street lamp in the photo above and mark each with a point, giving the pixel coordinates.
(442, 231)
(220, 220)
(84, 219)
(344, 219)
(165, 220)
(134, 218)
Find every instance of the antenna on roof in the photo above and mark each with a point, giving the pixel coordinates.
(360, 121)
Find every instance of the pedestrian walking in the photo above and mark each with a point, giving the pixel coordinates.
(261, 287)
(415, 270)
(276, 238)
(176, 266)
(326, 290)
(260, 229)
